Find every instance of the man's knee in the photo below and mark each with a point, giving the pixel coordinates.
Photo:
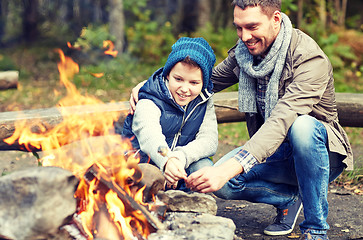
(306, 129)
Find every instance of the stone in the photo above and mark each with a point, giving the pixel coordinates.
(36, 202)
(179, 201)
(191, 226)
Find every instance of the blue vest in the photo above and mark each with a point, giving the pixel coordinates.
(177, 124)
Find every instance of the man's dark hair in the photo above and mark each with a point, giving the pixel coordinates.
(268, 7)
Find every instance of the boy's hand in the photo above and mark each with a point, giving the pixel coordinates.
(134, 97)
(174, 171)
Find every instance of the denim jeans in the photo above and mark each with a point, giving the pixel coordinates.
(201, 163)
(301, 167)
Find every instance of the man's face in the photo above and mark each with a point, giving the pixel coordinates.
(257, 30)
(185, 83)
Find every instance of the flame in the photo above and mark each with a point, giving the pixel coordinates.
(69, 45)
(97, 75)
(110, 50)
(74, 144)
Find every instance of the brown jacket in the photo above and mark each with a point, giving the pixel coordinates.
(306, 87)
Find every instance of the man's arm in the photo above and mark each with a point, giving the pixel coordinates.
(226, 73)
(134, 97)
(211, 179)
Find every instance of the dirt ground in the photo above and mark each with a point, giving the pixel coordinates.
(345, 215)
(345, 218)
(345, 212)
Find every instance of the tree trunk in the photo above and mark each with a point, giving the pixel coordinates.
(221, 14)
(343, 10)
(117, 23)
(322, 13)
(204, 12)
(30, 20)
(300, 12)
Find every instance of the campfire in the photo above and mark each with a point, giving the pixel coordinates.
(109, 195)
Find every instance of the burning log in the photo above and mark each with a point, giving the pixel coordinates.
(48, 118)
(152, 179)
(350, 109)
(122, 194)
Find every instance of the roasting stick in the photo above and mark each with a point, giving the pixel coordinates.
(164, 151)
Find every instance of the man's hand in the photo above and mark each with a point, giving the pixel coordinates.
(211, 179)
(205, 180)
(174, 171)
(134, 97)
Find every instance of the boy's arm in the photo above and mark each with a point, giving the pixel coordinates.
(206, 142)
(147, 129)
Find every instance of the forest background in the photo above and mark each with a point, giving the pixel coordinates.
(143, 32)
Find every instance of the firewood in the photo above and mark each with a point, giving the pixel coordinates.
(349, 105)
(127, 200)
(9, 79)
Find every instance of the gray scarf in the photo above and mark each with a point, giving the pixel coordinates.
(273, 63)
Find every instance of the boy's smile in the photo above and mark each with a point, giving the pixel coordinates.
(185, 83)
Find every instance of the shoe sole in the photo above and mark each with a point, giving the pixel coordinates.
(279, 233)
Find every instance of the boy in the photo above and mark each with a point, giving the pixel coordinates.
(175, 113)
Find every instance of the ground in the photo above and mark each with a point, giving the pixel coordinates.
(345, 218)
(345, 211)
(345, 215)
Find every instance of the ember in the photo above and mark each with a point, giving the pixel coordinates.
(108, 192)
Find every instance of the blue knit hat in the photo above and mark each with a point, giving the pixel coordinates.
(198, 50)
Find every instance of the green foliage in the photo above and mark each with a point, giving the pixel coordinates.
(353, 177)
(117, 75)
(221, 40)
(92, 37)
(6, 63)
(233, 133)
(353, 22)
(148, 40)
(288, 5)
(341, 55)
(36, 155)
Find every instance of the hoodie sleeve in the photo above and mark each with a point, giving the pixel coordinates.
(205, 143)
(147, 129)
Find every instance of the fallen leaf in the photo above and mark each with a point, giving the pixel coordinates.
(357, 191)
(293, 235)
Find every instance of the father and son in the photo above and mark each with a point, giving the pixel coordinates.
(286, 90)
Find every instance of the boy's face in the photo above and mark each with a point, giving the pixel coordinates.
(257, 30)
(185, 83)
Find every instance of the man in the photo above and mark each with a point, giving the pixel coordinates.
(286, 89)
(297, 146)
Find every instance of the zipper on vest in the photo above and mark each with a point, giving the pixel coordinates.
(175, 140)
(176, 137)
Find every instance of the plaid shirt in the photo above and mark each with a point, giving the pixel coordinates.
(261, 94)
(243, 157)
